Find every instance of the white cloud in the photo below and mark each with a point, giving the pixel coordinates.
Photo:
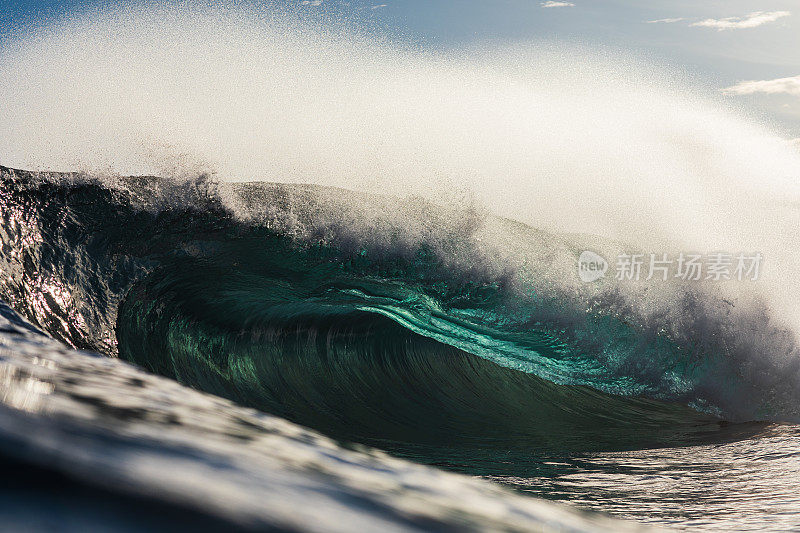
(551, 3)
(778, 86)
(665, 21)
(795, 143)
(377, 6)
(752, 20)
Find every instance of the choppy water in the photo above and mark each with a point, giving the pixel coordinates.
(391, 325)
(748, 484)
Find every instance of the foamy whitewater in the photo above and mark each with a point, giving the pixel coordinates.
(380, 242)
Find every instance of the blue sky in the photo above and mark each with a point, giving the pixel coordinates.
(721, 42)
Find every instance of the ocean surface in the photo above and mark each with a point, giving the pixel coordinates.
(166, 343)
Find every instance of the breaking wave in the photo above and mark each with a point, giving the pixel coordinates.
(413, 345)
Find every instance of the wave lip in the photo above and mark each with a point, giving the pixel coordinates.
(265, 294)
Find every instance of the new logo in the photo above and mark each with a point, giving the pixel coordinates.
(591, 266)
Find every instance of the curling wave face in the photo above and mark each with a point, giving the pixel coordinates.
(425, 347)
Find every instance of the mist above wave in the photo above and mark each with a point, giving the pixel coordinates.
(550, 134)
(556, 136)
